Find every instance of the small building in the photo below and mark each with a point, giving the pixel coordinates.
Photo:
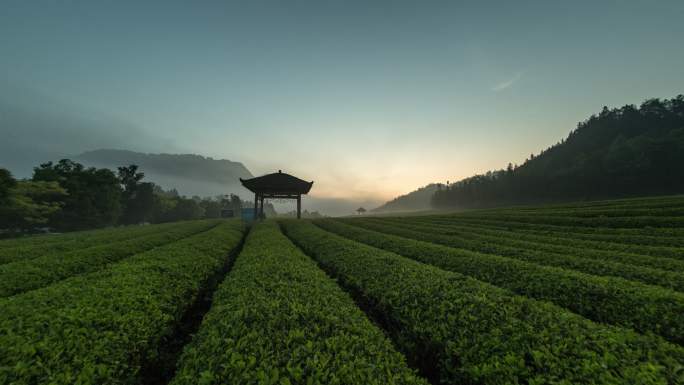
(227, 213)
(278, 185)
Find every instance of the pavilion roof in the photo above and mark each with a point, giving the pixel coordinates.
(277, 183)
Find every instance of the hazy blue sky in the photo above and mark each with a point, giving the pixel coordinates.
(370, 99)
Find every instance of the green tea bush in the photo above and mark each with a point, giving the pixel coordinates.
(668, 257)
(467, 331)
(21, 276)
(278, 319)
(99, 328)
(37, 246)
(535, 252)
(603, 299)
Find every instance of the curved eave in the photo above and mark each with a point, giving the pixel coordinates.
(304, 189)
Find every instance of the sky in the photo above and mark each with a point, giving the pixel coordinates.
(370, 99)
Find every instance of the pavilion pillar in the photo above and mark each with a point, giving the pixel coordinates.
(256, 202)
(261, 212)
(299, 206)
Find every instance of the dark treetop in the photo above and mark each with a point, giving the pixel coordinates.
(277, 183)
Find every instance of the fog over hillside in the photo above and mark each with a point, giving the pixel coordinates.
(413, 201)
(188, 173)
(37, 128)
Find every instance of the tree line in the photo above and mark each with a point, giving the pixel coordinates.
(67, 196)
(620, 152)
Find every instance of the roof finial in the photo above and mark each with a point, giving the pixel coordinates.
(280, 171)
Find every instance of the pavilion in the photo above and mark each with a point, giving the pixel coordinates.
(278, 186)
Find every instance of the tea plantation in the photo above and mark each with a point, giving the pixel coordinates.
(583, 293)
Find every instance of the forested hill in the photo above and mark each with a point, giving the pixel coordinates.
(413, 201)
(628, 151)
(188, 173)
(181, 165)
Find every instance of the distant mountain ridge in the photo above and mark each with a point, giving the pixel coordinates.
(413, 201)
(189, 173)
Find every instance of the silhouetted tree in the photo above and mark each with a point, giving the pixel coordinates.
(93, 198)
(235, 203)
(211, 208)
(6, 183)
(186, 209)
(130, 178)
(137, 198)
(25, 205)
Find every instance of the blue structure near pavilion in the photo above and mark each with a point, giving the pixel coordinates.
(247, 214)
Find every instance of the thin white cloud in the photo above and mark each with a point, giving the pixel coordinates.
(508, 83)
